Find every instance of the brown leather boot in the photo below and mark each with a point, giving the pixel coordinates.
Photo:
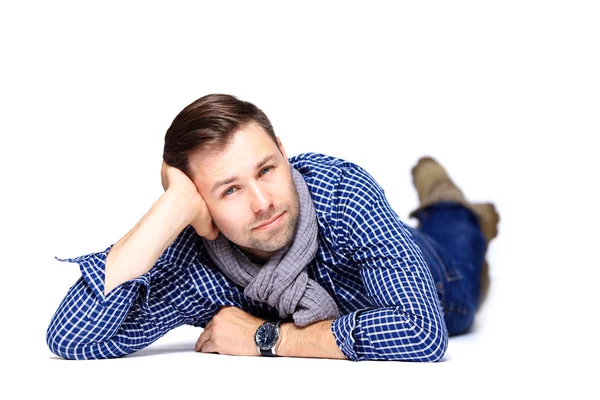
(434, 185)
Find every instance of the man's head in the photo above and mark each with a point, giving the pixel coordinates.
(229, 150)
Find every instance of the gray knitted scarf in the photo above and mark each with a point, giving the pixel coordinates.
(282, 281)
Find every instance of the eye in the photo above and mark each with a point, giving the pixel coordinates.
(229, 191)
(264, 170)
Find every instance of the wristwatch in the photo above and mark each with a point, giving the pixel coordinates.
(266, 338)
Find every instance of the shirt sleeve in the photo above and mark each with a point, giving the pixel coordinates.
(406, 320)
(90, 325)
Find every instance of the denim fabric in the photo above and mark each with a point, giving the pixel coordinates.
(454, 247)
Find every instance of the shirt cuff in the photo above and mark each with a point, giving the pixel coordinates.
(344, 329)
(92, 267)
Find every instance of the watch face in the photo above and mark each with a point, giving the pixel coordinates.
(266, 336)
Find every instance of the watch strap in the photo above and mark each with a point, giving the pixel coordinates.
(271, 352)
(268, 353)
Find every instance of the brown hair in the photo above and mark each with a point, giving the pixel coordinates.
(209, 122)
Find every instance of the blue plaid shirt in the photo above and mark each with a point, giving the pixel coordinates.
(367, 261)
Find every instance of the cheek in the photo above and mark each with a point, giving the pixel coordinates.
(288, 192)
(227, 217)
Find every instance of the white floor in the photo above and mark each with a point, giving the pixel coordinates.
(505, 95)
(511, 352)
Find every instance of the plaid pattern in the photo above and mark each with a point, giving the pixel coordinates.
(367, 261)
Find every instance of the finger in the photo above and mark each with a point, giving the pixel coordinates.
(204, 337)
(209, 347)
(163, 175)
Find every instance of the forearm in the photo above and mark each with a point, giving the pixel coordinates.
(314, 341)
(88, 325)
(136, 253)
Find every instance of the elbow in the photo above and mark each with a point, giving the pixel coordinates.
(430, 341)
(433, 343)
(64, 335)
(436, 347)
(422, 347)
(66, 341)
(77, 347)
(405, 337)
(77, 331)
(59, 344)
(427, 343)
(65, 338)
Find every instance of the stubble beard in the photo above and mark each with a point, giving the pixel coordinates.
(280, 239)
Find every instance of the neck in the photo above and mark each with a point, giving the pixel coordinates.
(255, 254)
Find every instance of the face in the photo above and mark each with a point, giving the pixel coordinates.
(249, 191)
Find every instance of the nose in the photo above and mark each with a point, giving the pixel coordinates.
(260, 200)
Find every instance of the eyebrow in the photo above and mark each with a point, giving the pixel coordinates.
(227, 181)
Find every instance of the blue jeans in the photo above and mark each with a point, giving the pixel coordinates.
(454, 247)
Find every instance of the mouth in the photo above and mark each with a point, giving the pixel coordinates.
(270, 223)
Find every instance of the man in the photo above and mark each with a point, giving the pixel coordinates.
(299, 257)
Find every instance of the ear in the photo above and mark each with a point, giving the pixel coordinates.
(280, 145)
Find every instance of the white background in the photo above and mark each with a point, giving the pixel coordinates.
(506, 95)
